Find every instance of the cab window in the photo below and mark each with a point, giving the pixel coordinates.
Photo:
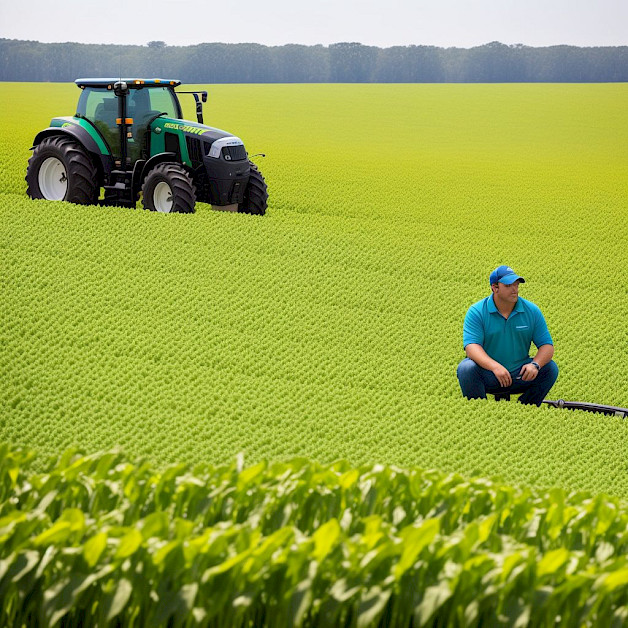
(147, 102)
(162, 100)
(100, 106)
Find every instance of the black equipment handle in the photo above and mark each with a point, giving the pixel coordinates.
(588, 407)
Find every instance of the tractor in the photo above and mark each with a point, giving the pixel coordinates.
(128, 136)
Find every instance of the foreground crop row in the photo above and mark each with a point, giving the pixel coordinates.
(96, 540)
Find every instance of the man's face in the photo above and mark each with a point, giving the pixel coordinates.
(507, 293)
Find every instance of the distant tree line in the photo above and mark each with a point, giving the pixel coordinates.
(338, 63)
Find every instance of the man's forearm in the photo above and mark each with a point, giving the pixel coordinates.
(476, 353)
(544, 355)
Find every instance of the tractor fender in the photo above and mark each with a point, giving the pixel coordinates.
(102, 162)
(74, 131)
(142, 168)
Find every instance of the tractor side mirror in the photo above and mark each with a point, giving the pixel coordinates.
(200, 98)
(199, 106)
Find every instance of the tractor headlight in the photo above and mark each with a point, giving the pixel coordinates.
(229, 147)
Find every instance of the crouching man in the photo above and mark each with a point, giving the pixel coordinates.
(497, 334)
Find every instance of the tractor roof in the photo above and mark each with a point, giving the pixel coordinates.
(133, 83)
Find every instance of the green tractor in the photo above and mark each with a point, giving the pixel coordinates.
(127, 137)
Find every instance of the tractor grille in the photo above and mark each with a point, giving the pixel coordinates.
(195, 150)
(234, 153)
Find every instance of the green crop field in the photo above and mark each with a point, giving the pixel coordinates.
(329, 329)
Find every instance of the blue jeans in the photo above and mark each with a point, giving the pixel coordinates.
(475, 382)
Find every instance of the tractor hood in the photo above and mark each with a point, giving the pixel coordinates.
(202, 142)
(214, 140)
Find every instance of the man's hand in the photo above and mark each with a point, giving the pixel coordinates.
(503, 376)
(528, 372)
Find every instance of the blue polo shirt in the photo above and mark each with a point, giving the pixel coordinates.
(506, 340)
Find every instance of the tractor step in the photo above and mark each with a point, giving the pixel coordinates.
(118, 190)
(119, 177)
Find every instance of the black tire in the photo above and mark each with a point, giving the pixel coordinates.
(172, 181)
(255, 195)
(60, 169)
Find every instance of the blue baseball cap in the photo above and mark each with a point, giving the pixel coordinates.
(504, 274)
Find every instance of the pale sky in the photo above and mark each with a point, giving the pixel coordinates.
(384, 23)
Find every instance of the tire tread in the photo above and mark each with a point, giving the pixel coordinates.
(181, 184)
(83, 187)
(256, 194)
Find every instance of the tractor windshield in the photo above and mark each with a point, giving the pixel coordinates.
(159, 99)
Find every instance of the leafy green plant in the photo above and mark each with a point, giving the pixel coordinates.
(96, 540)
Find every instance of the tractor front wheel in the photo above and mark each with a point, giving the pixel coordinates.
(255, 195)
(60, 169)
(169, 188)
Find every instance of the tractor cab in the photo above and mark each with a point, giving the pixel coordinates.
(122, 110)
(130, 139)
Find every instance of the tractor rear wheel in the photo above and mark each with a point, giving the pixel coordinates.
(255, 195)
(60, 169)
(169, 188)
